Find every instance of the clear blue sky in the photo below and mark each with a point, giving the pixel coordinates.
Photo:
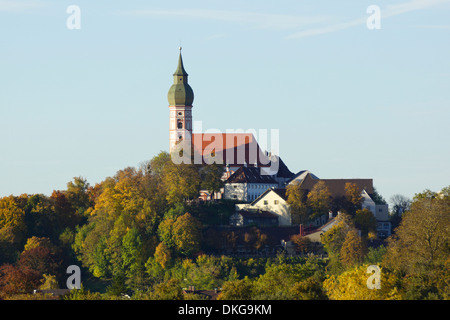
(349, 102)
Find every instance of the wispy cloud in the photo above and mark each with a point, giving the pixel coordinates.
(18, 5)
(307, 26)
(388, 11)
(258, 20)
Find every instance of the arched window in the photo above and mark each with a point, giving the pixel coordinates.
(180, 125)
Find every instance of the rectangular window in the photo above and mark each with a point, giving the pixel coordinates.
(275, 201)
(266, 202)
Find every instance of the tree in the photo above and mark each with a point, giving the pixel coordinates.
(132, 257)
(66, 215)
(165, 232)
(163, 255)
(308, 289)
(17, 280)
(78, 194)
(180, 182)
(12, 221)
(377, 198)
(352, 285)
(40, 217)
(302, 244)
(296, 198)
(187, 234)
(41, 260)
(353, 249)
(419, 249)
(399, 205)
(237, 290)
(35, 242)
(421, 240)
(169, 290)
(49, 282)
(365, 221)
(334, 239)
(211, 178)
(354, 197)
(319, 199)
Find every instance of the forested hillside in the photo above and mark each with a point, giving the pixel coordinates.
(143, 233)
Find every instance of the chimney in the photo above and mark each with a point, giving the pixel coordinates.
(330, 215)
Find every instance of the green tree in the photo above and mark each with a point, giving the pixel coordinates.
(308, 289)
(237, 290)
(132, 257)
(78, 195)
(211, 178)
(365, 221)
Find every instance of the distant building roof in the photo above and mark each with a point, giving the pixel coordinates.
(250, 175)
(337, 186)
(235, 149)
(299, 176)
(281, 192)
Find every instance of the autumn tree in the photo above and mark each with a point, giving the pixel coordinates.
(17, 280)
(353, 196)
(12, 222)
(319, 199)
(334, 239)
(421, 241)
(352, 285)
(178, 182)
(163, 255)
(40, 259)
(237, 290)
(170, 290)
(419, 248)
(302, 244)
(353, 249)
(296, 198)
(187, 234)
(308, 289)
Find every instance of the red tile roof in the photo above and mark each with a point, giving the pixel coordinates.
(235, 149)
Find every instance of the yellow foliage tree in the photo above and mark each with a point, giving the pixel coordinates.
(353, 285)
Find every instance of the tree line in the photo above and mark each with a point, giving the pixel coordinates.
(141, 233)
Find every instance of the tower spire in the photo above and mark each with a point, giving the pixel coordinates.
(180, 69)
(180, 98)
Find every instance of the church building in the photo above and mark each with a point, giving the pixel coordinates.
(233, 150)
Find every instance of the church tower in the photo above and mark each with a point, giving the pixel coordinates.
(180, 98)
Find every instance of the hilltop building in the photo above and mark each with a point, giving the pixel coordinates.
(246, 168)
